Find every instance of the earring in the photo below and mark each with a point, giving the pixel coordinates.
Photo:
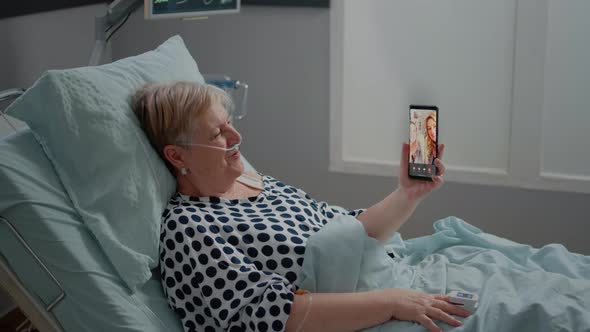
(183, 171)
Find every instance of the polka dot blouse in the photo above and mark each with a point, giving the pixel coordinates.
(232, 265)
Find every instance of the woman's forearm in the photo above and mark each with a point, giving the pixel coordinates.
(386, 217)
(339, 312)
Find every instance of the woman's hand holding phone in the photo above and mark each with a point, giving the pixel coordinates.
(385, 217)
(418, 189)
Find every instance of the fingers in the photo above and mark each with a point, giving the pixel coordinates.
(405, 158)
(437, 179)
(441, 150)
(428, 323)
(440, 167)
(441, 297)
(452, 309)
(442, 316)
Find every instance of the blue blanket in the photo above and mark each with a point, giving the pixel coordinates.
(520, 288)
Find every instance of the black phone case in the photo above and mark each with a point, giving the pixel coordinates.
(431, 108)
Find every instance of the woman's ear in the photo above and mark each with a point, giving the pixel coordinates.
(175, 156)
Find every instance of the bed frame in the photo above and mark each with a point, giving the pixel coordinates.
(38, 313)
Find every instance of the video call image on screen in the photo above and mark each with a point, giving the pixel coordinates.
(423, 137)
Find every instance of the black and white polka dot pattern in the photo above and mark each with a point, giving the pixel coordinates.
(232, 265)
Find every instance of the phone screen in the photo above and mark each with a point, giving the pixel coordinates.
(423, 141)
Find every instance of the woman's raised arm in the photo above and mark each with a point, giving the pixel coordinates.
(386, 217)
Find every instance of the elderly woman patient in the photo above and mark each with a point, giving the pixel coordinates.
(232, 242)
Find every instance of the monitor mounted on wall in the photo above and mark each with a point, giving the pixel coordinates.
(158, 9)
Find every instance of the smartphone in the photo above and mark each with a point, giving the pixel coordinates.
(423, 141)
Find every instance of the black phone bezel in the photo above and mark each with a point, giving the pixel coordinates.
(430, 108)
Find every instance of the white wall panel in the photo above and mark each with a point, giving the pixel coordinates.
(511, 78)
(566, 111)
(457, 55)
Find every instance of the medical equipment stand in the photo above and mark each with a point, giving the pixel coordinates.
(117, 14)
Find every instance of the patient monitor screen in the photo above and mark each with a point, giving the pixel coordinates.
(423, 141)
(155, 9)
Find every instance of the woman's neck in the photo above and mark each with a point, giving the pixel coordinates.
(234, 190)
(191, 186)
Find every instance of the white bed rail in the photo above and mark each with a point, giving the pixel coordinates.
(38, 313)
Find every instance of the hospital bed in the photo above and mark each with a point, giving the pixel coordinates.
(51, 263)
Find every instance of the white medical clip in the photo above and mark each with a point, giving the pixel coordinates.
(467, 300)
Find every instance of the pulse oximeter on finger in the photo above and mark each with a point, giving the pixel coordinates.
(467, 300)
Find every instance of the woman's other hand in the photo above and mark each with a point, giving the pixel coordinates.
(422, 308)
(414, 189)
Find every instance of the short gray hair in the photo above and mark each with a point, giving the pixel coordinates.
(168, 112)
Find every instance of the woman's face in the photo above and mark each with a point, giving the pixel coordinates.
(431, 129)
(413, 133)
(214, 128)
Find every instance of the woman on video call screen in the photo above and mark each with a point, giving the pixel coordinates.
(422, 137)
